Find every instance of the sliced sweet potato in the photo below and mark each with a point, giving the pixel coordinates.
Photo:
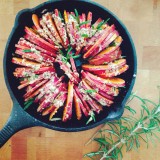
(67, 113)
(78, 105)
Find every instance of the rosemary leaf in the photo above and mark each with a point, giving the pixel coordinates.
(28, 103)
(90, 91)
(102, 23)
(85, 35)
(77, 56)
(85, 22)
(26, 50)
(130, 109)
(60, 15)
(77, 15)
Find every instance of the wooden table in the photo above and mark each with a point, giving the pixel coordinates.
(142, 18)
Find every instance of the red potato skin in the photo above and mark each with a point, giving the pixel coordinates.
(25, 63)
(102, 68)
(40, 41)
(34, 56)
(34, 88)
(114, 82)
(94, 105)
(106, 58)
(55, 82)
(80, 105)
(96, 96)
(61, 30)
(109, 54)
(48, 98)
(100, 86)
(118, 71)
(19, 72)
(62, 97)
(24, 44)
(107, 41)
(98, 42)
(86, 112)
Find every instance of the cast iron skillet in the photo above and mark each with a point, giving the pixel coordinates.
(20, 119)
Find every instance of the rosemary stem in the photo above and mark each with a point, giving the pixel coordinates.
(139, 125)
(94, 135)
(112, 149)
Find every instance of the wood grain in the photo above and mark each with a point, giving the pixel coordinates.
(142, 18)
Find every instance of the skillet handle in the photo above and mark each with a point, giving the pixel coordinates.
(18, 120)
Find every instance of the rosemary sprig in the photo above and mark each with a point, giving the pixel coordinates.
(28, 103)
(127, 131)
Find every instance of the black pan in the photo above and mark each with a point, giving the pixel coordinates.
(20, 119)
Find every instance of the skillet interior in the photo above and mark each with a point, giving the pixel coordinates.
(128, 50)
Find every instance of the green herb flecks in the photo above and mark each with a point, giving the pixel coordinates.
(85, 35)
(73, 16)
(28, 103)
(85, 22)
(102, 23)
(77, 15)
(60, 15)
(90, 91)
(66, 56)
(61, 52)
(27, 50)
(128, 130)
(112, 44)
(69, 50)
(77, 56)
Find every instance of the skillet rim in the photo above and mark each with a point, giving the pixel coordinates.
(41, 123)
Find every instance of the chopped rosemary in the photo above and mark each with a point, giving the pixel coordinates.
(28, 103)
(69, 49)
(113, 44)
(85, 22)
(77, 15)
(61, 52)
(77, 56)
(73, 16)
(27, 50)
(90, 91)
(60, 15)
(85, 35)
(102, 23)
(64, 59)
